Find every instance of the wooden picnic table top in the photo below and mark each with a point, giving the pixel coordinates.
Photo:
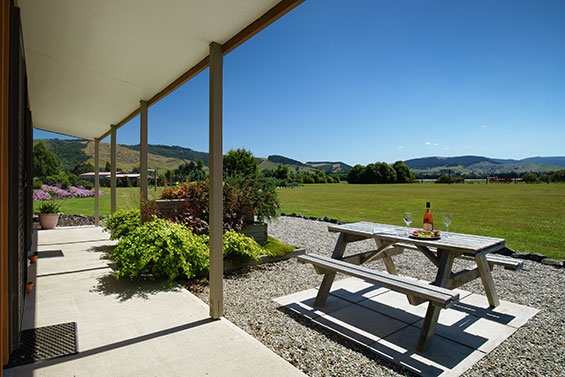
(467, 244)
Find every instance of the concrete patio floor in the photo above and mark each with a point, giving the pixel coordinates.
(126, 328)
(383, 321)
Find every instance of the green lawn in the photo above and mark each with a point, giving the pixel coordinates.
(126, 197)
(530, 217)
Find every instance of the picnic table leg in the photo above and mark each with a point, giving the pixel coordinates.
(329, 276)
(488, 283)
(432, 314)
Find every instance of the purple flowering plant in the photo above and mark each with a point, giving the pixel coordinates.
(50, 195)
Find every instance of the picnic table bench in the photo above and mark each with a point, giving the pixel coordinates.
(390, 241)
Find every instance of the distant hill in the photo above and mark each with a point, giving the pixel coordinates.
(482, 166)
(70, 152)
(284, 160)
(174, 151)
(330, 167)
(164, 157)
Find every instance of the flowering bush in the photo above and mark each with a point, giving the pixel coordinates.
(243, 199)
(53, 192)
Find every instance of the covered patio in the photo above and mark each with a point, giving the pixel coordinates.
(85, 69)
(87, 323)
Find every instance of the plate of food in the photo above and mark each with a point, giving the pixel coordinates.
(429, 235)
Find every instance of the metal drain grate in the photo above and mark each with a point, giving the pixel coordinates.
(45, 343)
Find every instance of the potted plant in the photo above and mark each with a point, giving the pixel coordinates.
(49, 214)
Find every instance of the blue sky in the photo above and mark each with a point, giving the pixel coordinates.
(361, 81)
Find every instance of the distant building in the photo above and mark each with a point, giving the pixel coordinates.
(104, 177)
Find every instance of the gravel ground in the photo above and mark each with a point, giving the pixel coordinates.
(536, 349)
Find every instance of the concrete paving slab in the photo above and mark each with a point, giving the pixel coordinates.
(131, 328)
(389, 326)
(361, 324)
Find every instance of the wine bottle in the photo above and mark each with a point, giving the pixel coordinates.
(428, 219)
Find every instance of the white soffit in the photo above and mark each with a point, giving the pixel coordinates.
(90, 62)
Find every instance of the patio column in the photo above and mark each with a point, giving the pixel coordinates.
(113, 169)
(96, 182)
(216, 183)
(143, 147)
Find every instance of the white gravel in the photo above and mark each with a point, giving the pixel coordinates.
(536, 349)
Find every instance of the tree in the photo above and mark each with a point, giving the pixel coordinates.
(239, 162)
(82, 167)
(386, 174)
(403, 172)
(558, 176)
(281, 172)
(44, 161)
(371, 174)
(530, 177)
(355, 173)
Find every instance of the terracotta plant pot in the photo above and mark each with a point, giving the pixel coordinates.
(29, 287)
(33, 257)
(48, 220)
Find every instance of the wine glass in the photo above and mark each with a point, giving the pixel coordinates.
(447, 217)
(408, 218)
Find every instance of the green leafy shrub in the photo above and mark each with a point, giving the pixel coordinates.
(239, 247)
(161, 248)
(122, 222)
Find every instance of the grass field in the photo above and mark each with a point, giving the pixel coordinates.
(126, 197)
(530, 217)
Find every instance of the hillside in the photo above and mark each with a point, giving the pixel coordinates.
(163, 157)
(70, 152)
(482, 166)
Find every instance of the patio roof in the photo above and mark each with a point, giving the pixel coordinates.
(89, 63)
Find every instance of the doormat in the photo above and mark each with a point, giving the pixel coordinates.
(45, 343)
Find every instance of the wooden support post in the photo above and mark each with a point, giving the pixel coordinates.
(488, 283)
(143, 151)
(216, 183)
(113, 185)
(432, 315)
(329, 277)
(96, 182)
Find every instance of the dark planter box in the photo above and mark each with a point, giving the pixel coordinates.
(170, 207)
(256, 230)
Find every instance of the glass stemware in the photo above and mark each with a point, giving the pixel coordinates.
(447, 218)
(408, 218)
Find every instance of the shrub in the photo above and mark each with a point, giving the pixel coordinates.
(122, 222)
(239, 247)
(243, 198)
(161, 248)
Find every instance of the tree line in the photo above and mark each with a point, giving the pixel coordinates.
(381, 172)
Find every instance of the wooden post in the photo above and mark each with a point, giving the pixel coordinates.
(216, 181)
(96, 182)
(143, 150)
(113, 136)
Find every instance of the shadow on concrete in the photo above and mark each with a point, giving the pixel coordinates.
(28, 371)
(126, 289)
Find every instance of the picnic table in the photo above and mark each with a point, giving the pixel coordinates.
(392, 240)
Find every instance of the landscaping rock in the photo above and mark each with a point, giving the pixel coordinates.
(536, 257)
(553, 262)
